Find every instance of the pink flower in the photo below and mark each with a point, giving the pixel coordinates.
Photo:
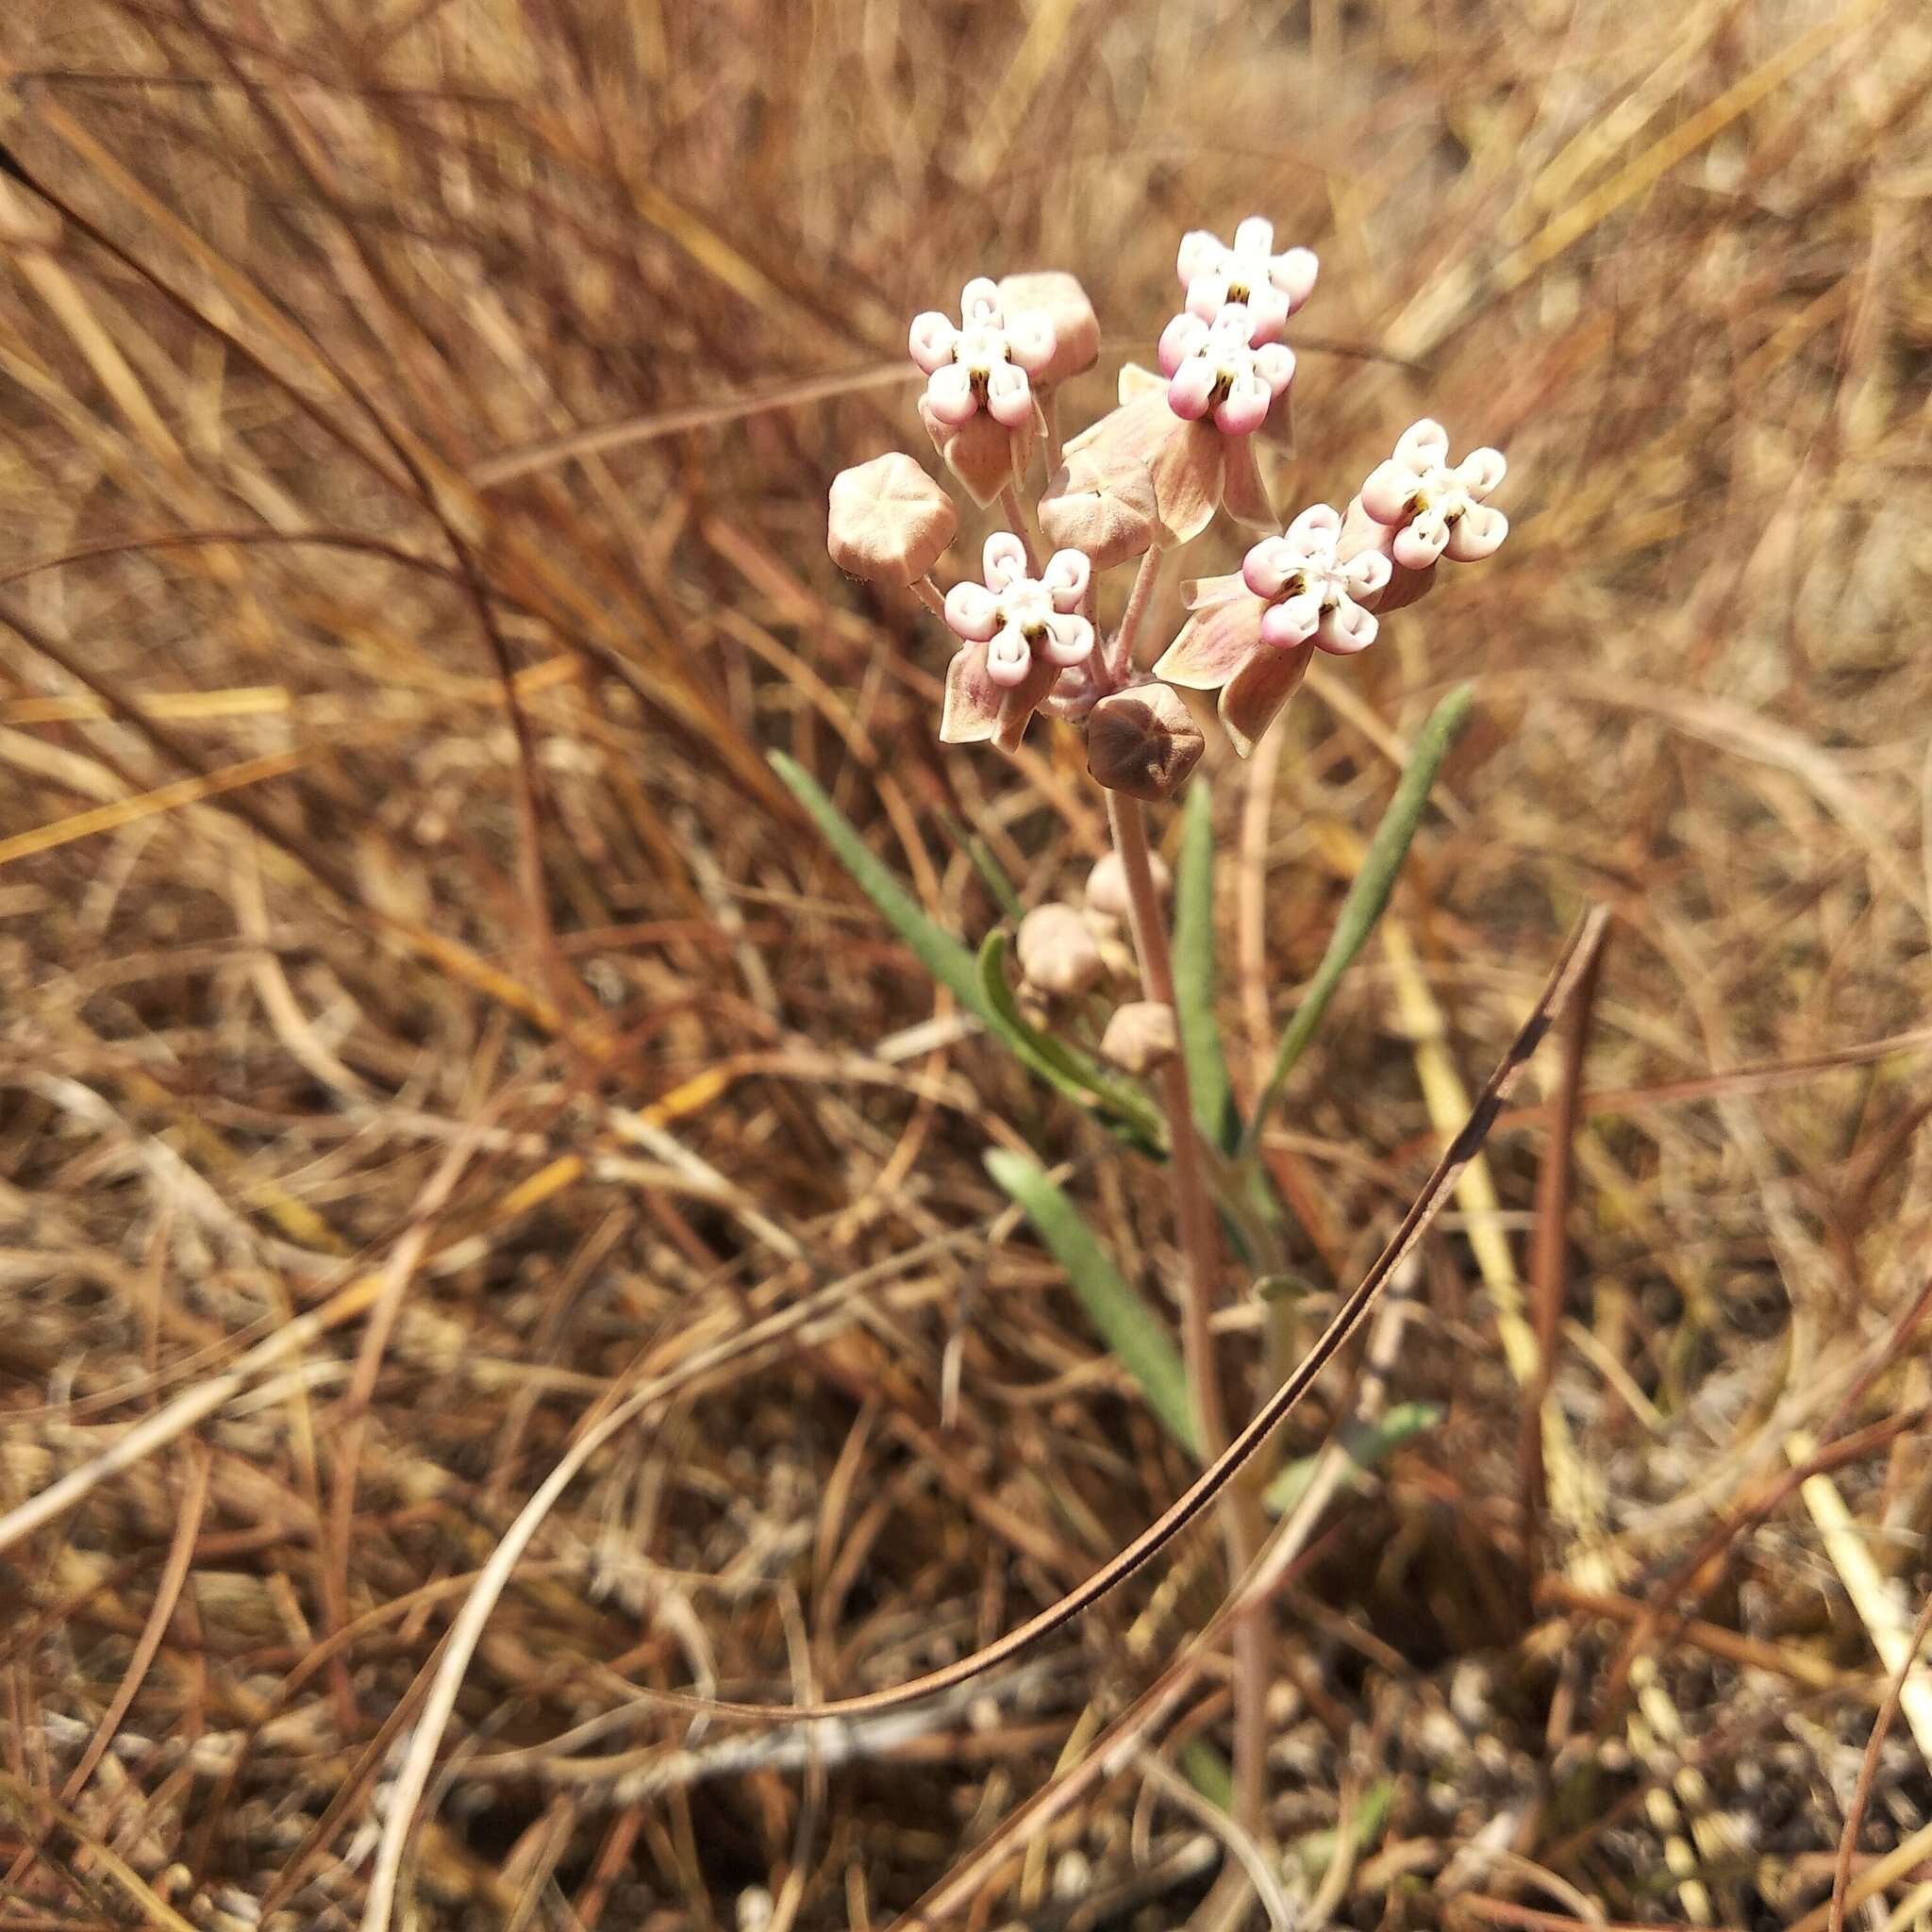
(1223, 369)
(1311, 595)
(1251, 636)
(1416, 509)
(1271, 286)
(983, 364)
(1017, 633)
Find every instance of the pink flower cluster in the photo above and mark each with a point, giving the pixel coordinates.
(1270, 287)
(1149, 476)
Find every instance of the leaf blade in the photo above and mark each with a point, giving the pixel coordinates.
(1131, 1330)
(1076, 1075)
(949, 962)
(964, 974)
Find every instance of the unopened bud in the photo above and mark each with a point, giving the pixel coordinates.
(889, 521)
(1059, 297)
(1107, 884)
(1058, 953)
(1107, 508)
(1141, 1036)
(1144, 741)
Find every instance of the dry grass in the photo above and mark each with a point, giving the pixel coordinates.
(531, 1045)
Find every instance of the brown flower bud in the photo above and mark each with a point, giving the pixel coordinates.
(1106, 509)
(1142, 740)
(1107, 884)
(889, 521)
(1076, 329)
(1058, 953)
(1141, 1036)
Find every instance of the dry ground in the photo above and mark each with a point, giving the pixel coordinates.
(539, 1046)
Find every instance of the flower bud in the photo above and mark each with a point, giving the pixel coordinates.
(1058, 953)
(1103, 506)
(1107, 884)
(1141, 1036)
(1144, 741)
(889, 521)
(1059, 296)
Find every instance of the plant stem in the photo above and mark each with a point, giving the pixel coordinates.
(1192, 1211)
(1016, 521)
(1121, 656)
(1194, 1218)
(1050, 412)
(928, 593)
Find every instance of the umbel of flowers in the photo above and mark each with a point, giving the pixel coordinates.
(1147, 478)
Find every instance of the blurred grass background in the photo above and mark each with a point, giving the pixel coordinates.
(417, 421)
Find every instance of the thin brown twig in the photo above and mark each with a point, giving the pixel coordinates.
(1549, 1259)
(1868, 1767)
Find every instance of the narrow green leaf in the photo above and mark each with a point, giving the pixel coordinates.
(1076, 1074)
(1366, 896)
(1208, 1771)
(991, 873)
(1368, 1445)
(1125, 1322)
(939, 952)
(983, 993)
(1193, 973)
(1316, 1852)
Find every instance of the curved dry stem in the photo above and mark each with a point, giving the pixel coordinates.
(1201, 1495)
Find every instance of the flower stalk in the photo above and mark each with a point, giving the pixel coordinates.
(1242, 1527)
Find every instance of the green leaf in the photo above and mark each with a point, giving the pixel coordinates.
(1193, 973)
(1366, 896)
(1368, 1444)
(1125, 1322)
(1208, 1771)
(987, 998)
(991, 873)
(1316, 1852)
(1076, 1075)
(939, 952)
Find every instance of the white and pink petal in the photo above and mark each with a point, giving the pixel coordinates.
(930, 341)
(1477, 533)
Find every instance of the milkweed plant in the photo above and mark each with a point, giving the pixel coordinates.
(1021, 628)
